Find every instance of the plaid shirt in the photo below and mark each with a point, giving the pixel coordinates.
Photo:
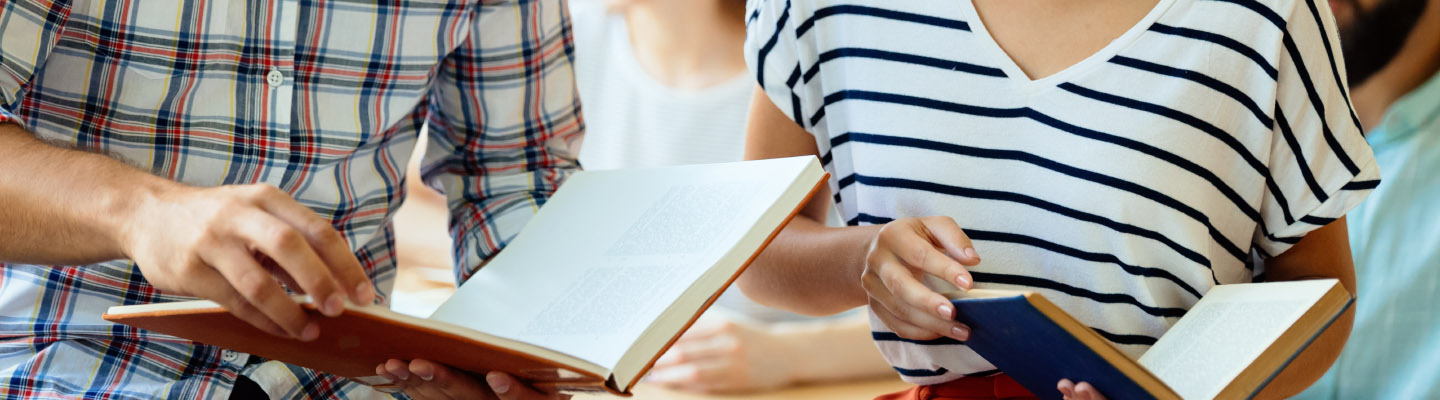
(321, 98)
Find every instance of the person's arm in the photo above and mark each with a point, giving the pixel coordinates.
(809, 268)
(1324, 253)
(721, 354)
(834, 350)
(813, 269)
(503, 136)
(62, 206)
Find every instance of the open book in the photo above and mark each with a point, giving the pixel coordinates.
(1229, 345)
(601, 281)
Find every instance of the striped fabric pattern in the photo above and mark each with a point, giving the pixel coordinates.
(1212, 135)
(321, 98)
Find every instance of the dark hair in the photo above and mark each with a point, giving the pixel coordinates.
(1375, 36)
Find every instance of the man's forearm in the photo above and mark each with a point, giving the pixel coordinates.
(61, 206)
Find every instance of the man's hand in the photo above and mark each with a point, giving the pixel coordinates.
(902, 253)
(720, 355)
(422, 380)
(229, 244)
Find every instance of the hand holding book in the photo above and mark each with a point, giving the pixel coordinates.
(423, 380)
(901, 255)
(599, 283)
(1230, 344)
(1079, 391)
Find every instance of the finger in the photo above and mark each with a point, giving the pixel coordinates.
(400, 369)
(223, 294)
(507, 388)
(697, 351)
(1066, 388)
(901, 327)
(917, 250)
(449, 382)
(423, 369)
(911, 300)
(948, 235)
(288, 248)
(287, 281)
(384, 373)
(255, 285)
(674, 376)
(329, 245)
(706, 377)
(1088, 392)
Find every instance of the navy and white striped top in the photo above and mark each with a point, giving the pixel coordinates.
(1211, 134)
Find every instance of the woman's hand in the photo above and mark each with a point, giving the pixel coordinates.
(1080, 391)
(720, 355)
(901, 254)
(421, 379)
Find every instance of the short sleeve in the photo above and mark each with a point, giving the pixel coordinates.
(29, 30)
(1319, 162)
(496, 157)
(774, 51)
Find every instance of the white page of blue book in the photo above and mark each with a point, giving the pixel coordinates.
(1227, 330)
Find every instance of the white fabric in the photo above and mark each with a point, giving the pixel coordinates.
(1121, 188)
(634, 121)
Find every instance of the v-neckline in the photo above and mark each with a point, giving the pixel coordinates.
(1018, 76)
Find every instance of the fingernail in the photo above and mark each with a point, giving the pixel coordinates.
(962, 282)
(498, 383)
(334, 306)
(427, 376)
(365, 294)
(960, 332)
(311, 332)
(946, 311)
(970, 251)
(403, 374)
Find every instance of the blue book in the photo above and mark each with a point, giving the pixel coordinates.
(1229, 345)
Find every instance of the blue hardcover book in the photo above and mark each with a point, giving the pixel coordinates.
(1229, 345)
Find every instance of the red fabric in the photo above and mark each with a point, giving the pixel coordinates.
(993, 387)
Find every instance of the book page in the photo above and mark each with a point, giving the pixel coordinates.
(1227, 330)
(612, 250)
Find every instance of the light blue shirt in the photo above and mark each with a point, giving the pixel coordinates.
(1394, 350)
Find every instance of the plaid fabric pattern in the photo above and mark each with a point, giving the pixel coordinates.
(321, 98)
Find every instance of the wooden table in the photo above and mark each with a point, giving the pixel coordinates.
(863, 390)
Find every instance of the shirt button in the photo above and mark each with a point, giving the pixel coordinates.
(274, 78)
(230, 356)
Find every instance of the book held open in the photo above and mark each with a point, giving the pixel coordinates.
(614, 267)
(1228, 346)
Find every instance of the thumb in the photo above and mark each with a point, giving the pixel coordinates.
(507, 388)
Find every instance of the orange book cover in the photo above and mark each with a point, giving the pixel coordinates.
(354, 343)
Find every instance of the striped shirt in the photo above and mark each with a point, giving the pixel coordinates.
(320, 98)
(1210, 135)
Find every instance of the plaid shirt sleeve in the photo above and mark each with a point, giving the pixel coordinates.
(504, 124)
(28, 31)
